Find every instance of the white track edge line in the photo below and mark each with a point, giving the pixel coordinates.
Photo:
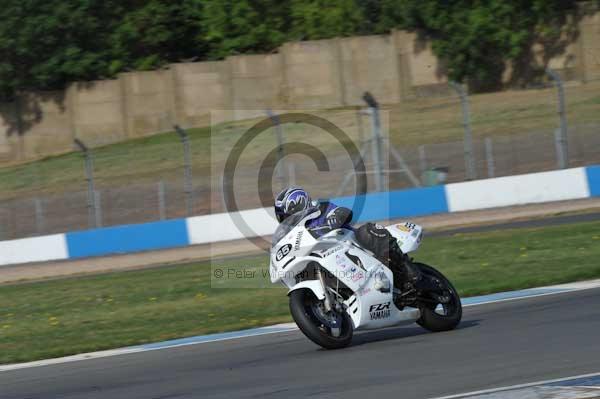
(573, 287)
(514, 387)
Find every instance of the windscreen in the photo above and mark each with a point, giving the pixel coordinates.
(288, 224)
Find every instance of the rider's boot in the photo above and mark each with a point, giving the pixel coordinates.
(407, 275)
(400, 265)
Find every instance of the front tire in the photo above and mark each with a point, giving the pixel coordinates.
(430, 318)
(302, 305)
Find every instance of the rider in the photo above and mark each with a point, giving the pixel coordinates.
(371, 236)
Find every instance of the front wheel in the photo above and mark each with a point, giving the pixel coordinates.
(439, 315)
(330, 330)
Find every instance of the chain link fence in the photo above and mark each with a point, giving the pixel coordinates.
(150, 180)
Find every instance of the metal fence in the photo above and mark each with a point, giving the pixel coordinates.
(179, 176)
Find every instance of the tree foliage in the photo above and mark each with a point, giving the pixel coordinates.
(45, 44)
(476, 38)
(244, 26)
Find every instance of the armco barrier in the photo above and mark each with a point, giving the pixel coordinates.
(480, 194)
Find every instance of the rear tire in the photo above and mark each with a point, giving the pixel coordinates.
(430, 319)
(301, 304)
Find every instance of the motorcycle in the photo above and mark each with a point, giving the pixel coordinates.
(337, 287)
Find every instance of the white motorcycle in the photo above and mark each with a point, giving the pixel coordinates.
(336, 287)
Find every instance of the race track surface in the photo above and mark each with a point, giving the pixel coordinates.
(496, 345)
(532, 223)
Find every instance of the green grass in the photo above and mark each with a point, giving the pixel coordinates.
(61, 317)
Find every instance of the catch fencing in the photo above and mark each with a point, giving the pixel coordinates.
(175, 176)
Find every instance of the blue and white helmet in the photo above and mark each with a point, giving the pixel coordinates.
(289, 201)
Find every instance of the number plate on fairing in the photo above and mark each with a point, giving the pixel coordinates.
(408, 235)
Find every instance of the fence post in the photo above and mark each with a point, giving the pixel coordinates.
(359, 125)
(422, 160)
(376, 148)
(89, 177)
(489, 156)
(98, 208)
(161, 201)
(39, 215)
(562, 143)
(292, 174)
(468, 139)
(280, 165)
(187, 170)
(558, 147)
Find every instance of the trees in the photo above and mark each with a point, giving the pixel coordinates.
(244, 26)
(155, 32)
(475, 38)
(46, 43)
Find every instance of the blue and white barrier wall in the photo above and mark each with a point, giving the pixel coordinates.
(550, 186)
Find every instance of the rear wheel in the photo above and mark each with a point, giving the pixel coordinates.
(331, 330)
(440, 311)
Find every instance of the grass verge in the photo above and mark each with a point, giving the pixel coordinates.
(74, 315)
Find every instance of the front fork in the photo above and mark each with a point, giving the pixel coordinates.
(327, 301)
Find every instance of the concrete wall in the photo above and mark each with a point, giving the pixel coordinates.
(257, 83)
(201, 87)
(303, 75)
(312, 74)
(149, 102)
(8, 148)
(44, 126)
(369, 63)
(98, 113)
(589, 47)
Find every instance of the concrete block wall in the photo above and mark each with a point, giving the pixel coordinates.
(369, 63)
(589, 47)
(312, 74)
(97, 115)
(149, 102)
(47, 119)
(200, 88)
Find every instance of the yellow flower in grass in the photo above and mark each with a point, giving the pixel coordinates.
(152, 299)
(200, 295)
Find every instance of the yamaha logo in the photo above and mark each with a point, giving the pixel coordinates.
(380, 311)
